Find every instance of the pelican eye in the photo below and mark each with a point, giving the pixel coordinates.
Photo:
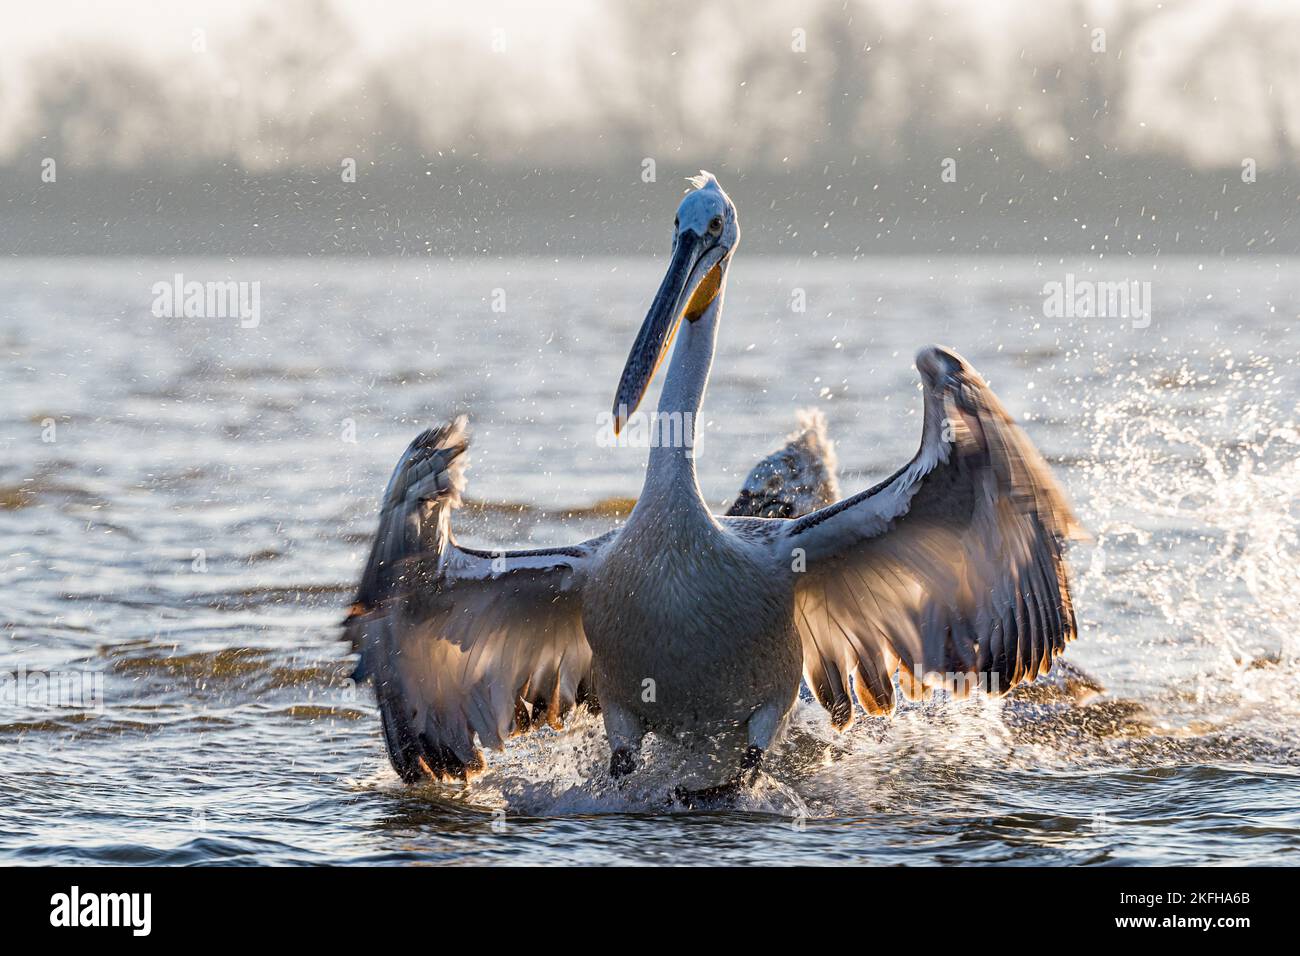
(715, 226)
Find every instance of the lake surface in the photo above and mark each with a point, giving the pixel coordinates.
(185, 504)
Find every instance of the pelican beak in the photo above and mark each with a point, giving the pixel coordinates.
(692, 281)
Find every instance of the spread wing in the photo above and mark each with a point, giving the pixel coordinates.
(797, 478)
(462, 643)
(950, 572)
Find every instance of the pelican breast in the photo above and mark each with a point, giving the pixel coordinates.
(689, 627)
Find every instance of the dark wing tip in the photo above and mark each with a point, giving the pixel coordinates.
(432, 467)
(430, 471)
(934, 362)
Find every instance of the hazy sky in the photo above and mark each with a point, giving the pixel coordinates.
(840, 105)
(1206, 83)
(159, 24)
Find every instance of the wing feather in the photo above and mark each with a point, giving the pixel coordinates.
(465, 648)
(951, 571)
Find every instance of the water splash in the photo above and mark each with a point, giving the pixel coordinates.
(1194, 479)
(1221, 479)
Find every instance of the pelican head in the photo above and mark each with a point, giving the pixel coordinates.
(705, 233)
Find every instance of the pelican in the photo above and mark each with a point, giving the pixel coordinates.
(795, 479)
(697, 628)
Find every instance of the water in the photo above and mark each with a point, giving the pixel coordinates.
(193, 528)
